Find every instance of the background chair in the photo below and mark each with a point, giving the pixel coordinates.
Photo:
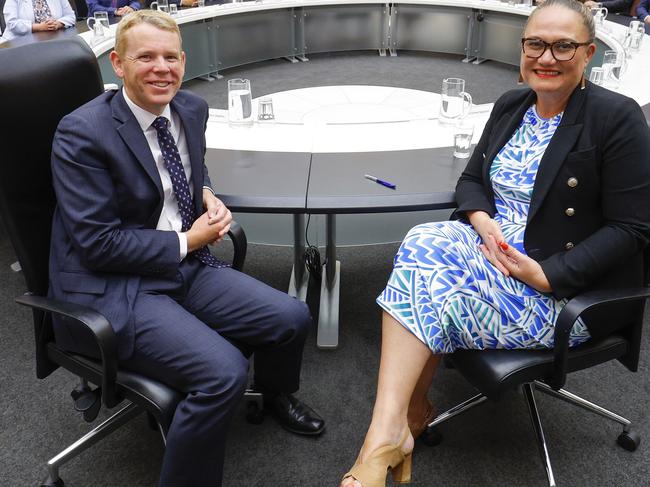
(493, 372)
(80, 7)
(46, 81)
(2, 17)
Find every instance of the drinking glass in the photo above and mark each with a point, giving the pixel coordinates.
(455, 102)
(240, 102)
(173, 9)
(637, 31)
(265, 109)
(102, 18)
(600, 14)
(596, 75)
(463, 132)
(200, 3)
(161, 5)
(612, 63)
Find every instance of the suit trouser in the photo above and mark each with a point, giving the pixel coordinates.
(195, 333)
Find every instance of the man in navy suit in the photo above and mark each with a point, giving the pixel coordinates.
(122, 243)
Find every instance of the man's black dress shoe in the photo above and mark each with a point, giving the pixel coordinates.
(293, 415)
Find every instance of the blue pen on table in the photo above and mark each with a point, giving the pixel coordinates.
(381, 181)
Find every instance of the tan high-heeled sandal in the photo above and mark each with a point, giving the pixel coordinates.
(372, 472)
(418, 427)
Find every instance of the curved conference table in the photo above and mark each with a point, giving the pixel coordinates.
(299, 179)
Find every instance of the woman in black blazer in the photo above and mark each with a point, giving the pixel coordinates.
(555, 200)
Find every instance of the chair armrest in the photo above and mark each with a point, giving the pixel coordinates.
(101, 329)
(239, 243)
(97, 324)
(572, 311)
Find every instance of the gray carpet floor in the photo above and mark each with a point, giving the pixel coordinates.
(490, 445)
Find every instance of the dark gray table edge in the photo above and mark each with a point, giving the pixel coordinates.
(439, 200)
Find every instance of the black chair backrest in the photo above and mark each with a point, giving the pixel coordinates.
(633, 331)
(2, 17)
(80, 7)
(40, 83)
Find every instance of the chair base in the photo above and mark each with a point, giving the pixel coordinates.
(628, 439)
(48, 482)
(111, 424)
(98, 433)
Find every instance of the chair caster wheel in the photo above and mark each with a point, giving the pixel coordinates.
(629, 440)
(431, 437)
(254, 415)
(48, 482)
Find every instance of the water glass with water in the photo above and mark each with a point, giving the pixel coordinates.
(463, 133)
(612, 64)
(200, 3)
(240, 102)
(596, 75)
(636, 32)
(455, 102)
(173, 9)
(600, 14)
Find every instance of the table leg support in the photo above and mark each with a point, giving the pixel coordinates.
(328, 314)
(299, 274)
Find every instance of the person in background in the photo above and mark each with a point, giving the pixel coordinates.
(180, 3)
(553, 202)
(25, 16)
(119, 8)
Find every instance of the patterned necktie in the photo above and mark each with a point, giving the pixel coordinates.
(41, 11)
(174, 166)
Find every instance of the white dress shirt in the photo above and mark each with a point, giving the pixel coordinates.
(19, 16)
(170, 217)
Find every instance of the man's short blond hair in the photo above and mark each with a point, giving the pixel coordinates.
(158, 19)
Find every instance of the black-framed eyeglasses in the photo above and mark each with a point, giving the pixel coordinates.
(561, 50)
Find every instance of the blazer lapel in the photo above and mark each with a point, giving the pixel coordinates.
(555, 154)
(131, 133)
(193, 133)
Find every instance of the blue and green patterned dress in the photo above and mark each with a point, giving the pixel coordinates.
(449, 295)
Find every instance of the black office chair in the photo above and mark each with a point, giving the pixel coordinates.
(2, 17)
(46, 81)
(493, 372)
(80, 8)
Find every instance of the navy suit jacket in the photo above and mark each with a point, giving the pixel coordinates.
(603, 145)
(104, 237)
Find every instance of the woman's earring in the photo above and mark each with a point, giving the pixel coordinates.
(520, 80)
(583, 82)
